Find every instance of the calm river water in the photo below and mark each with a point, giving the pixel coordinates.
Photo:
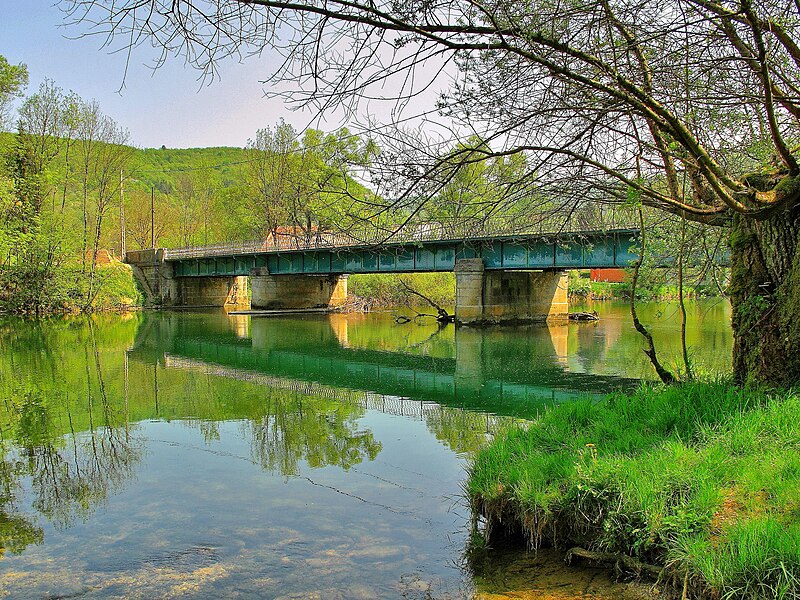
(186, 455)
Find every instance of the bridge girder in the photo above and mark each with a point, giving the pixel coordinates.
(568, 251)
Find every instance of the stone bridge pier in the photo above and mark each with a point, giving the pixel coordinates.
(485, 297)
(278, 292)
(212, 291)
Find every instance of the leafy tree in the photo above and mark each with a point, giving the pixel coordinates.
(138, 221)
(64, 147)
(13, 79)
(270, 174)
(39, 129)
(104, 158)
(302, 187)
(195, 192)
(30, 240)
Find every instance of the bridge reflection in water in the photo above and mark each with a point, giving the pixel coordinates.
(512, 372)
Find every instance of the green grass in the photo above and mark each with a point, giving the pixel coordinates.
(702, 478)
(117, 288)
(66, 289)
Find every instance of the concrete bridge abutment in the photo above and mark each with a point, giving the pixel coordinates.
(278, 292)
(155, 276)
(162, 287)
(486, 297)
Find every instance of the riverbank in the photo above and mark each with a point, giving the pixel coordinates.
(68, 289)
(385, 290)
(389, 290)
(582, 288)
(698, 480)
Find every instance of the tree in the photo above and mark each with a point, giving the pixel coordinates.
(139, 220)
(195, 192)
(31, 241)
(302, 187)
(13, 79)
(269, 174)
(480, 193)
(39, 138)
(688, 106)
(64, 147)
(105, 156)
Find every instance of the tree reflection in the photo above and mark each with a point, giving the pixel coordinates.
(69, 475)
(16, 530)
(463, 431)
(296, 426)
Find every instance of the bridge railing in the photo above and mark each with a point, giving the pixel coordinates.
(287, 240)
(273, 243)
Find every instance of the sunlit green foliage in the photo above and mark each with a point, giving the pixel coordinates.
(71, 187)
(13, 79)
(392, 290)
(302, 184)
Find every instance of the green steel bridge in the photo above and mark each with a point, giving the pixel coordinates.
(325, 254)
(502, 274)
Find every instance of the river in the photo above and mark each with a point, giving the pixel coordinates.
(201, 455)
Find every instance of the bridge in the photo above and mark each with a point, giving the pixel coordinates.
(499, 278)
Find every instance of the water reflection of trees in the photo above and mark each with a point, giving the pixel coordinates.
(62, 463)
(291, 420)
(321, 431)
(299, 420)
(65, 405)
(69, 475)
(16, 530)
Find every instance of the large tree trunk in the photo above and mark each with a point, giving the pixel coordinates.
(765, 296)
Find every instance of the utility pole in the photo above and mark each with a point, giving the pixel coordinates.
(121, 217)
(153, 217)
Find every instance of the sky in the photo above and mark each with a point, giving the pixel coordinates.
(169, 106)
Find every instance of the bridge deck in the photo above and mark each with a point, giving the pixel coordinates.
(329, 254)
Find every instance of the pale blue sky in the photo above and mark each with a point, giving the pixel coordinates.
(168, 106)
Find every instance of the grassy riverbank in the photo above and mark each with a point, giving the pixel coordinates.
(68, 289)
(649, 289)
(701, 479)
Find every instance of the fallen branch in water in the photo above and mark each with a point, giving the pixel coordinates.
(584, 316)
(402, 319)
(442, 315)
(616, 560)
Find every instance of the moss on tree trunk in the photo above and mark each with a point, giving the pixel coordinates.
(765, 297)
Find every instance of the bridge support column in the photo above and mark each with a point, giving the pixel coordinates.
(296, 291)
(212, 291)
(487, 297)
